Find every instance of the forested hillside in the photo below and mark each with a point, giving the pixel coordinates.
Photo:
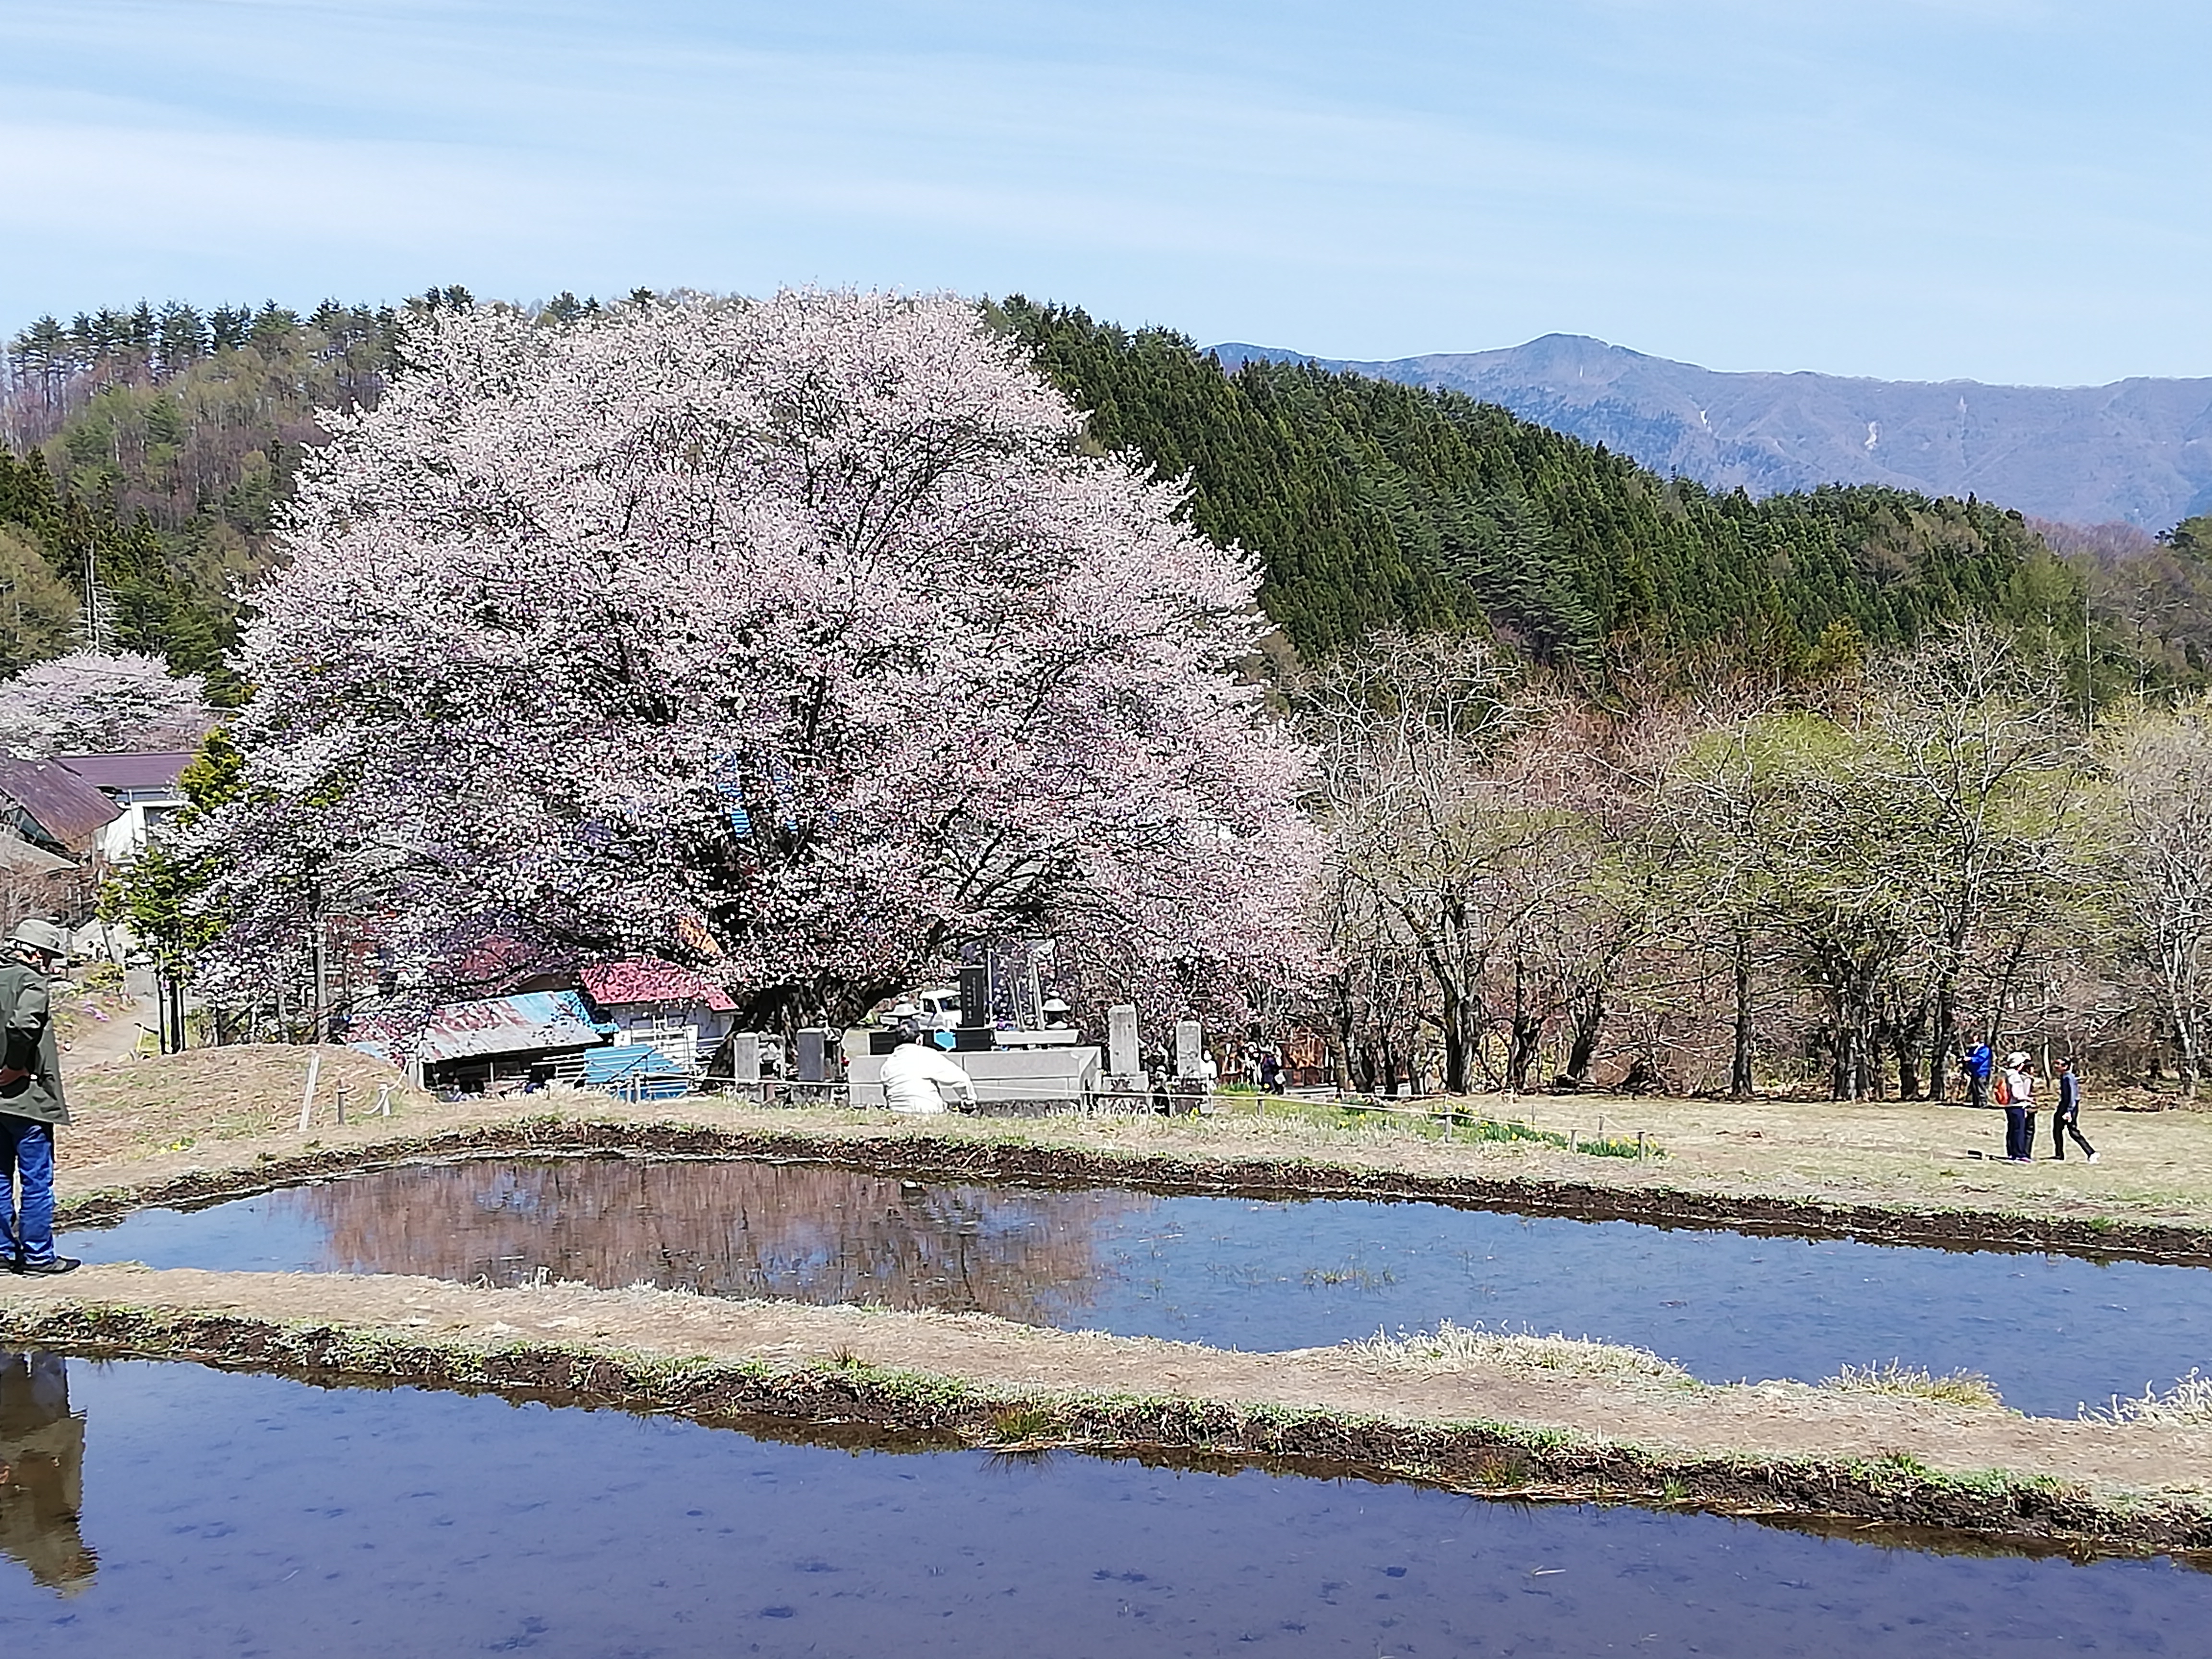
(2138, 450)
(158, 444)
(1372, 502)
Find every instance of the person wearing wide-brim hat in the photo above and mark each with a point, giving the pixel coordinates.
(31, 1102)
(2020, 1108)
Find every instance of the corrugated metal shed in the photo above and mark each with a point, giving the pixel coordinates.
(530, 1022)
(636, 1070)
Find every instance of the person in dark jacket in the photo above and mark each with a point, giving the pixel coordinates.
(2067, 1119)
(31, 1102)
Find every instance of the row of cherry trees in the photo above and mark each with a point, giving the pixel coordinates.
(1746, 884)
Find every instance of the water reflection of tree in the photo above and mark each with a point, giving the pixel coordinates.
(42, 1473)
(800, 1231)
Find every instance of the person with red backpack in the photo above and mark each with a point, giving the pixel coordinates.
(2016, 1094)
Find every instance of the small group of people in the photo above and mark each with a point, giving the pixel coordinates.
(2013, 1086)
(1173, 1091)
(1267, 1071)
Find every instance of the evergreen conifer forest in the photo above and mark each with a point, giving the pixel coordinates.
(161, 441)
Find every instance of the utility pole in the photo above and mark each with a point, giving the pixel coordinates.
(2088, 673)
(98, 623)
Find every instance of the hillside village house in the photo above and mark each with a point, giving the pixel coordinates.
(51, 806)
(144, 789)
(67, 821)
(53, 830)
(687, 1017)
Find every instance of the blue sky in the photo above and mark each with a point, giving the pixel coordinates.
(2004, 190)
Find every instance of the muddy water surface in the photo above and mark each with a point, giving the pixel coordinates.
(151, 1509)
(2053, 1331)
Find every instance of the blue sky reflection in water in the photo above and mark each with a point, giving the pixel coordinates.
(2053, 1331)
(235, 1514)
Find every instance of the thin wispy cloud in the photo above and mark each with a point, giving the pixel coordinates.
(1922, 187)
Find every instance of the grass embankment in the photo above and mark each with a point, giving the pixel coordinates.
(218, 1121)
(1579, 1424)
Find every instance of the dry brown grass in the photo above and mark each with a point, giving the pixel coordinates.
(141, 1108)
(2156, 1166)
(1452, 1348)
(138, 1120)
(2187, 1404)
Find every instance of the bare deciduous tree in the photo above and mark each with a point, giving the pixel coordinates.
(2161, 763)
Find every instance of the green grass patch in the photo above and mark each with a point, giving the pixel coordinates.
(1960, 1388)
(1454, 1123)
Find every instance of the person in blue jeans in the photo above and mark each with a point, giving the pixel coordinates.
(2020, 1108)
(31, 1102)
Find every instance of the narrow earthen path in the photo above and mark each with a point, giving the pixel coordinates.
(1894, 1458)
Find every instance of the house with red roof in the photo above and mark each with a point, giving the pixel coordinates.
(686, 1016)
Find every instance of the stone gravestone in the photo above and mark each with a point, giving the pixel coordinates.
(1189, 1066)
(744, 1063)
(815, 1060)
(1122, 1070)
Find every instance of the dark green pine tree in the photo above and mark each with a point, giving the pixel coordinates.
(1370, 503)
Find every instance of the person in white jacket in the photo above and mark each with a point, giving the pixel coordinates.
(916, 1073)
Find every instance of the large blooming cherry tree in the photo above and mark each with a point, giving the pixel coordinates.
(798, 639)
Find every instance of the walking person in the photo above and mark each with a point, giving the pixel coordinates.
(2067, 1119)
(2020, 1108)
(31, 1102)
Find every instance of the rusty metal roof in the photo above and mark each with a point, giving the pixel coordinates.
(61, 807)
(649, 980)
(531, 1021)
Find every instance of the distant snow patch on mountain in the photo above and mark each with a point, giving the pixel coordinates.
(2139, 451)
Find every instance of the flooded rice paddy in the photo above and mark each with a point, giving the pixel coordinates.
(170, 1510)
(2053, 1332)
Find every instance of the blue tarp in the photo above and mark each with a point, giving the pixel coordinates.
(634, 1068)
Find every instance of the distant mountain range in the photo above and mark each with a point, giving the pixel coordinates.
(2137, 450)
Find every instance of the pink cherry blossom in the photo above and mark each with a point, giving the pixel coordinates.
(93, 703)
(799, 640)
